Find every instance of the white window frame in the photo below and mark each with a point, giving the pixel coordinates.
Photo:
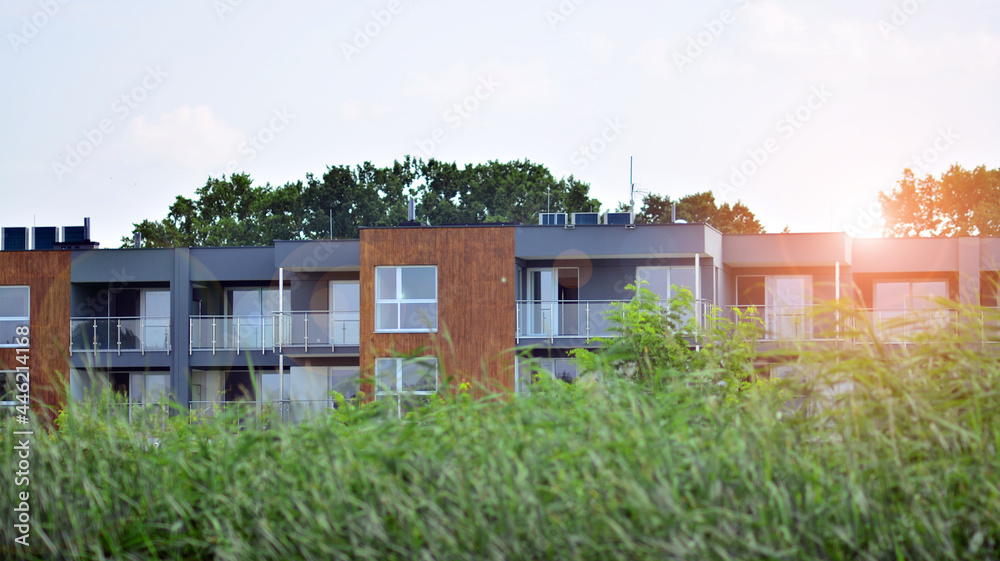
(11, 319)
(397, 394)
(398, 301)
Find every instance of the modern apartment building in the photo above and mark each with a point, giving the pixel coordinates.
(296, 320)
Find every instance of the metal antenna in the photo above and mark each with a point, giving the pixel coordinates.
(631, 195)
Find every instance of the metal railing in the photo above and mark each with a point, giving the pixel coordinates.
(904, 325)
(786, 322)
(233, 333)
(295, 411)
(585, 319)
(275, 331)
(120, 334)
(812, 322)
(321, 329)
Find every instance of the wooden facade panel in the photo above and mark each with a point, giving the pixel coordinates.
(47, 273)
(476, 300)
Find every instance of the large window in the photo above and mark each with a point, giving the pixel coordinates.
(783, 302)
(406, 299)
(14, 315)
(665, 280)
(410, 382)
(345, 309)
(904, 308)
(253, 311)
(563, 369)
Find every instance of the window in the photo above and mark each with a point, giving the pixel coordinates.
(8, 387)
(663, 280)
(406, 299)
(782, 300)
(14, 315)
(563, 369)
(253, 311)
(345, 309)
(904, 308)
(410, 382)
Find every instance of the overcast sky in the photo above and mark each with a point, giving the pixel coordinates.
(804, 111)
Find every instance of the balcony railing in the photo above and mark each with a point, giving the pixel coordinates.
(905, 325)
(275, 332)
(121, 334)
(254, 412)
(233, 333)
(321, 329)
(578, 318)
(786, 323)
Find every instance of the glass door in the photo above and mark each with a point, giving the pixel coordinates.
(553, 306)
(155, 319)
(786, 305)
(345, 312)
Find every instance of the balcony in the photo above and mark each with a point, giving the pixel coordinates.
(818, 323)
(787, 322)
(120, 334)
(581, 319)
(275, 332)
(256, 413)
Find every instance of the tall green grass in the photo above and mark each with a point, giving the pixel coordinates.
(902, 463)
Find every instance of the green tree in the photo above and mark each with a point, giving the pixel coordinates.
(235, 212)
(226, 212)
(959, 203)
(700, 207)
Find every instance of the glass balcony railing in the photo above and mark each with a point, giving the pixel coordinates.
(906, 325)
(786, 323)
(117, 335)
(321, 329)
(577, 319)
(233, 333)
(275, 332)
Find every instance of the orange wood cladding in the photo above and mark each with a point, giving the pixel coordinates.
(48, 275)
(476, 307)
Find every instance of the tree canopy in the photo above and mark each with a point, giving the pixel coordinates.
(959, 203)
(232, 211)
(700, 207)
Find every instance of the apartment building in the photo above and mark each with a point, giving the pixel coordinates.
(480, 304)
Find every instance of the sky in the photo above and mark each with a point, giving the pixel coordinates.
(804, 111)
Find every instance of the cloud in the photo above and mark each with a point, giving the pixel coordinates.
(190, 136)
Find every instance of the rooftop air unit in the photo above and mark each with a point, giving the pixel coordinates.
(552, 218)
(586, 218)
(45, 237)
(619, 218)
(74, 234)
(15, 239)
